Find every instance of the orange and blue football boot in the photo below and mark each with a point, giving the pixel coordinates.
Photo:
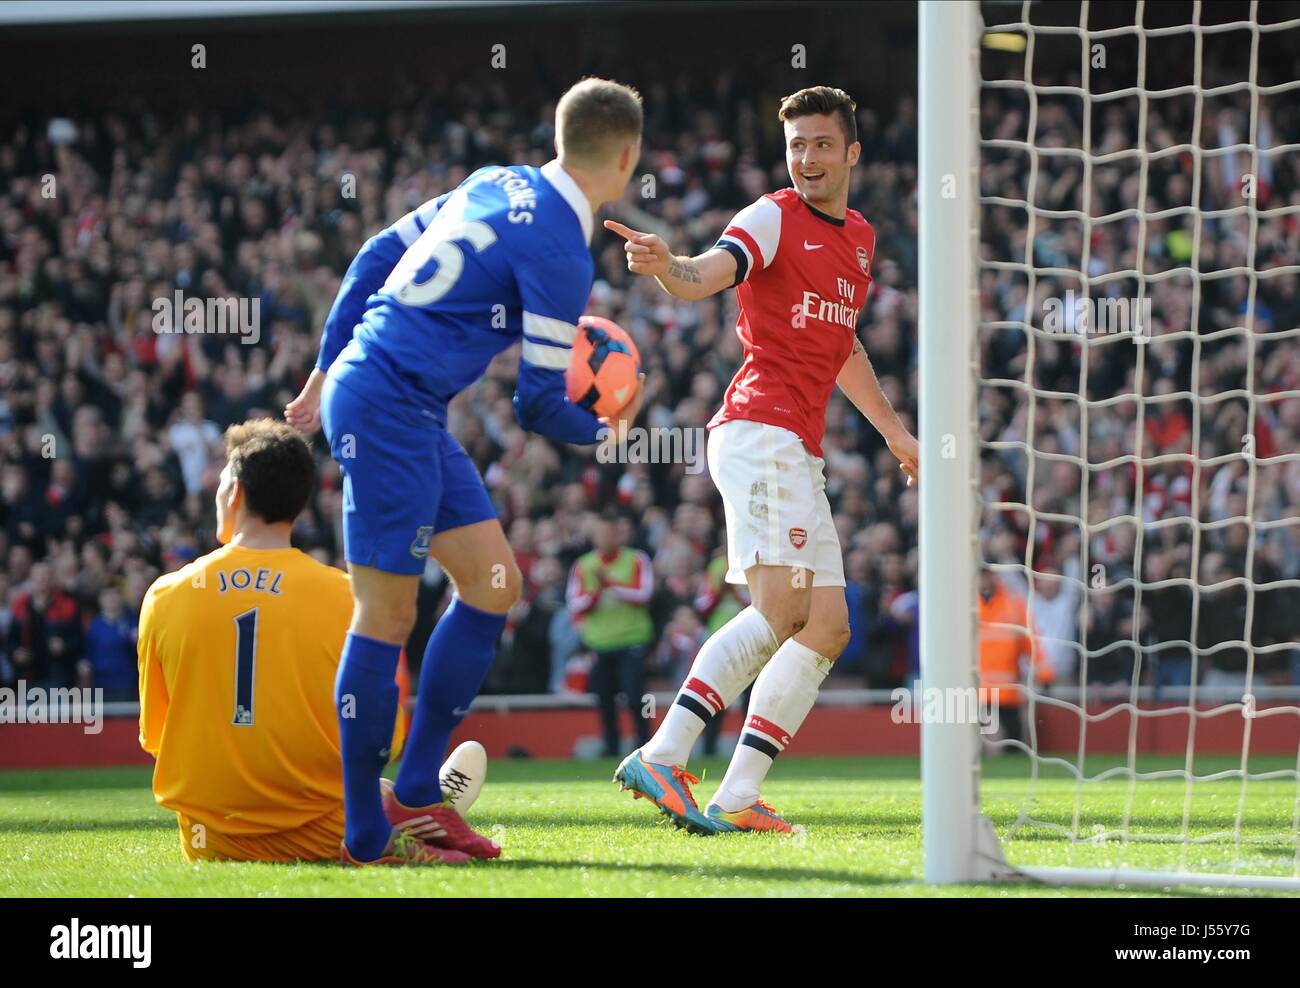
(668, 787)
(758, 816)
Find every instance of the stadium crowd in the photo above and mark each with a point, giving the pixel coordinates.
(110, 431)
(1218, 365)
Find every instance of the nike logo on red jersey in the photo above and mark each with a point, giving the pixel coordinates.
(808, 246)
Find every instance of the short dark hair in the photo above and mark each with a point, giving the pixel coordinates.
(274, 463)
(822, 99)
(595, 116)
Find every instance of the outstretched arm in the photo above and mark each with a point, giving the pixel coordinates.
(857, 379)
(689, 278)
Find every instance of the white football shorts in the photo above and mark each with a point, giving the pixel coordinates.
(774, 496)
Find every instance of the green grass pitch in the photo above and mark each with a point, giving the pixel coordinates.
(569, 831)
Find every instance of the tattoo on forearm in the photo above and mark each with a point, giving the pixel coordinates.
(684, 269)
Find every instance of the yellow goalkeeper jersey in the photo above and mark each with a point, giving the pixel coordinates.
(238, 654)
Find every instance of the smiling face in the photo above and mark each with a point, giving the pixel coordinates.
(819, 159)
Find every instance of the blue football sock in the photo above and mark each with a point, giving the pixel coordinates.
(456, 662)
(365, 695)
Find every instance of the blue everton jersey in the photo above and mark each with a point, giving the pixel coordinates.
(430, 301)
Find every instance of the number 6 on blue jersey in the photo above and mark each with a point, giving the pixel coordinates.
(436, 245)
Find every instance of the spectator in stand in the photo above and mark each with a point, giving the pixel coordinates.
(191, 438)
(110, 663)
(1167, 622)
(45, 633)
(524, 662)
(1054, 609)
(676, 584)
(609, 594)
(565, 644)
(1222, 620)
(719, 601)
(7, 675)
(857, 594)
(680, 641)
(1010, 661)
(1110, 633)
(905, 611)
(888, 643)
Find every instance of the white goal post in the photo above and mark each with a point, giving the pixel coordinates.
(960, 843)
(947, 189)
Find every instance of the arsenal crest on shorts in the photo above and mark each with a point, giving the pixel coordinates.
(798, 537)
(864, 260)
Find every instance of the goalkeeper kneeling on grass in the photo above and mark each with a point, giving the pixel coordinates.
(238, 652)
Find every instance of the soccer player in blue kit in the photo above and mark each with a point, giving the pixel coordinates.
(423, 309)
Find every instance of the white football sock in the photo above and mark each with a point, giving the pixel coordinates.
(785, 692)
(725, 665)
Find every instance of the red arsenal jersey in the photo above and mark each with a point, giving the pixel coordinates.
(801, 281)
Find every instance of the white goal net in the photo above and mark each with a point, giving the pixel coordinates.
(1114, 190)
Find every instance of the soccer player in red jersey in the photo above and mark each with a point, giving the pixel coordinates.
(800, 261)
